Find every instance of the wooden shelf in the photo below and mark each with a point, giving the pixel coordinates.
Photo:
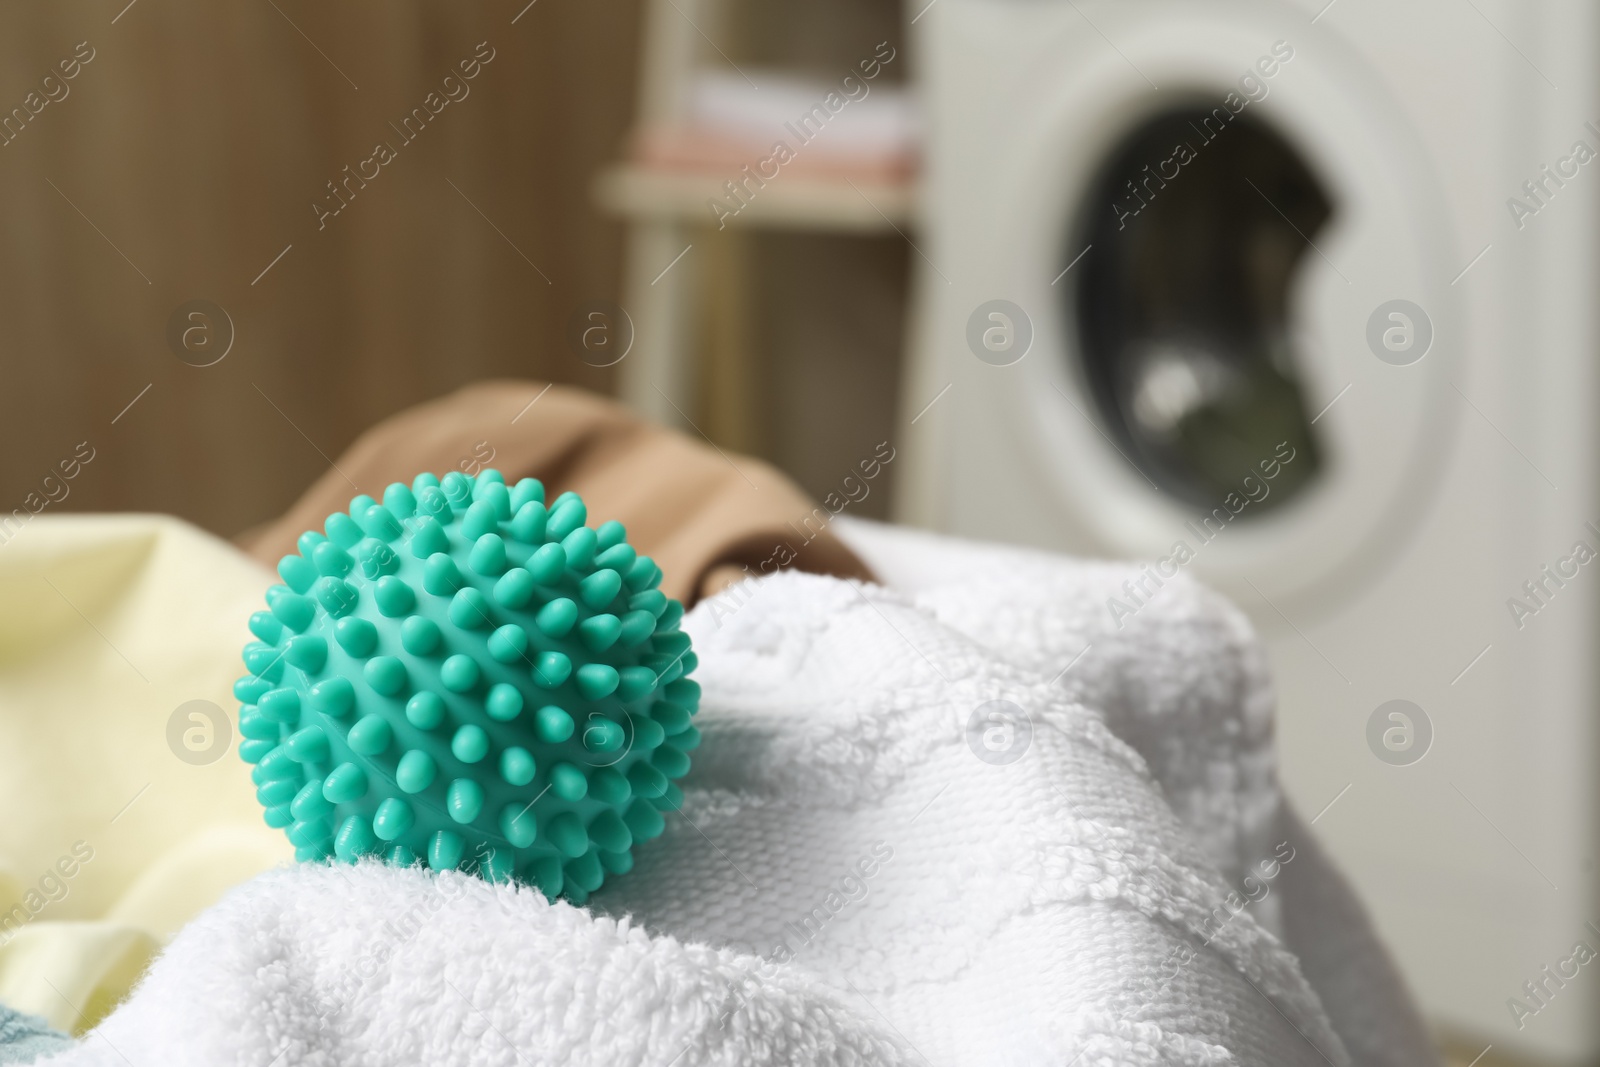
(787, 201)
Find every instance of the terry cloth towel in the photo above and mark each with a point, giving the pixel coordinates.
(1186, 684)
(703, 515)
(25, 1038)
(961, 822)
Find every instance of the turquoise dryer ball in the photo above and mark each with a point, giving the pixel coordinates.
(467, 677)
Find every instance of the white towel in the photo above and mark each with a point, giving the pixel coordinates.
(872, 865)
(1184, 680)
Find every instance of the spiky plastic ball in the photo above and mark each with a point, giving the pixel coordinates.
(465, 677)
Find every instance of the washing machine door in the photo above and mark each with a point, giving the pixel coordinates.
(1236, 292)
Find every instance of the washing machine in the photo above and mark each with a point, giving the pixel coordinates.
(1299, 299)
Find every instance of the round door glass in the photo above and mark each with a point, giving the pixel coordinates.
(1196, 227)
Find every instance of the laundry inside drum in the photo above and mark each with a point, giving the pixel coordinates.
(1196, 228)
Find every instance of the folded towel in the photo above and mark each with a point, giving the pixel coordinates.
(25, 1038)
(1185, 682)
(1039, 905)
(332, 966)
(874, 862)
(128, 813)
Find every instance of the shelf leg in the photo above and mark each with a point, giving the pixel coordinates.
(658, 377)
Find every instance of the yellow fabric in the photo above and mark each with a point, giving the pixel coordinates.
(108, 624)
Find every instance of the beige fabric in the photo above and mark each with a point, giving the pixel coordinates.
(113, 841)
(703, 514)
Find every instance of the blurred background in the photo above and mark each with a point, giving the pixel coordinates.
(189, 153)
(1303, 288)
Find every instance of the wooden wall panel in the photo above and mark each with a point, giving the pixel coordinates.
(187, 154)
